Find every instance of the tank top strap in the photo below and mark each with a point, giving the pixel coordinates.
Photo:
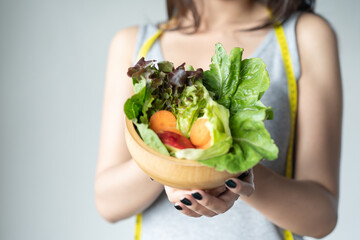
(145, 32)
(290, 32)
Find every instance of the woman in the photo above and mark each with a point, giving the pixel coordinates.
(305, 205)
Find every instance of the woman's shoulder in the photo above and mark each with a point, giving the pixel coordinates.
(316, 41)
(124, 42)
(127, 33)
(314, 22)
(313, 29)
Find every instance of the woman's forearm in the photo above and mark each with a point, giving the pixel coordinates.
(303, 207)
(124, 190)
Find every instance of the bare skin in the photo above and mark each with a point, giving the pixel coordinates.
(310, 205)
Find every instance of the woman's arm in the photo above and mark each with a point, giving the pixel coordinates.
(121, 188)
(308, 204)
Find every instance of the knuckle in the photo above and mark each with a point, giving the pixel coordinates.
(226, 208)
(222, 210)
(210, 215)
(247, 191)
(191, 214)
(239, 188)
(196, 208)
(171, 199)
(205, 201)
(229, 206)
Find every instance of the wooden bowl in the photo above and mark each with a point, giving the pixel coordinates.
(171, 171)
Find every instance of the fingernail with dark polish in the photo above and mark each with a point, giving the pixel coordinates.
(230, 183)
(178, 207)
(186, 201)
(197, 196)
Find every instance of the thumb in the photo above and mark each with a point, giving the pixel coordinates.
(245, 186)
(240, 187)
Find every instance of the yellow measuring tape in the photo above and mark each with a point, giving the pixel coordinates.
(142, 53)
(147, 45)
(292, 87)
(138, 226)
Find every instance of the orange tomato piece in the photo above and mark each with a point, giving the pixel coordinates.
(162, 120)
(199, 133)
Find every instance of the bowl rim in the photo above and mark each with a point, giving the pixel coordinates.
(133, 133)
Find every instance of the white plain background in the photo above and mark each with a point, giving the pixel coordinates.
(52, 64)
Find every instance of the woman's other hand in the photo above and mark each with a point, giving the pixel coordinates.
(197, 203)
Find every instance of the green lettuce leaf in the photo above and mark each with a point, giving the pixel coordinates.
(223, 77)
(251, 140)
(151, 138)
(190, 104)
(254, 81)
(251, 143)
(249, 132)
(133, 106)
(218, 149)
(218, 125)
(165, 66)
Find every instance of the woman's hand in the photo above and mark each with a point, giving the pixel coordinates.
(197, 203)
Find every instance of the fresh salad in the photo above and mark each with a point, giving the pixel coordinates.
(215, 117)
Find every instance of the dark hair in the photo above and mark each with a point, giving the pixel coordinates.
(281, 11)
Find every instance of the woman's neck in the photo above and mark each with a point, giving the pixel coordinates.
(216, 14)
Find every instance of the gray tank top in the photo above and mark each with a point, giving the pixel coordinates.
(161, 221)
